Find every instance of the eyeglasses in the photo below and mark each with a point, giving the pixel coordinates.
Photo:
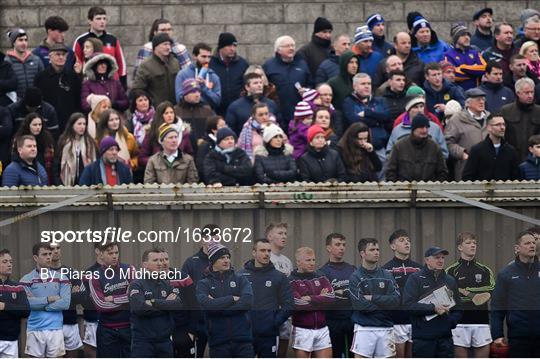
(288, 46)
(536, 29)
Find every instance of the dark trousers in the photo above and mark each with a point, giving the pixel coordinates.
(433, 348)
(201, 341)
(113, 343)
(184, 347)
(232, 350)
(341, 336)
(524, 347)
(151, 349)
(265, 347)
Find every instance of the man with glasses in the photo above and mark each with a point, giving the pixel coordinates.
(531, 32)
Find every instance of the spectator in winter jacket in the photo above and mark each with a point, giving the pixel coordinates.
(502, 48)
(439, 90)
(497, 95)
(208, 142)
(312, 292)
(374, 295)
(25, 170)
(358, 155)
(320, 163)
(286, 70)
(330, 67)
(15, 307)
(530, 50)
(142, 114)
(157, 73)
(322, 118)
(432, 338)
(395, 94)
(319, 48)
(273, 159)
(412, 65)
(206, 77)
(240, 110)
(170, 165)
(389, 64)
(153, 304)
(531, 32)
(338, 315)
(97, 20)
(518, 70)
(483, 36)
(425, 42)
(110, 124)
(417, 157)
(55, 28)
(530, 168)
(226, 297)
(368, 59)
(448, 71)
(298, 127)
(6, 126)
(401, 266)
(99, 73)
(376, 25)
(60, 85)
(272, 299)
(251, 135)
(230, 68)
(469, 66)
(324, 100)
(107, 169)
(25, 64)
(8, 81)
(179, 51)
(493, 158)
(414, 106)
(226, 164)
(522, 117)
(514, 299)
(269, 89)
(342, 84)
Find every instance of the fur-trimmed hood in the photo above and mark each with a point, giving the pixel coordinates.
(262, 151)
(89, 73)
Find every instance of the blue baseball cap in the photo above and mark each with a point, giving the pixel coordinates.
(433, 251)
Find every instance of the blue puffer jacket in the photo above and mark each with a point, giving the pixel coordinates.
(419, 285)
(272, 298)
(240, 111)
(327, 69)
(231, 77)
(530, 169)
(19, 173)
(284, 75)
(227, 321)
(515, 298)
(434, 52)
(376, 117)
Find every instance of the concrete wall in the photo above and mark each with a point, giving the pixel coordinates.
(256, 23)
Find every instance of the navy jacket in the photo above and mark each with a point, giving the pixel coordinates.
(530, 168)
(328, 68)
(19, 173)
(196, 267)
(284, 75)
(240, 111)
(272, 298)
(481, 41)
(485, 163)
(448, 92)
(338, 274)
(420, 285)
(497, 95)
(231, 77)
(13, 295)
(47, 112)
(152, 322)
(380, 284)
(515, 299)
(227, 321)
(92, 174)
(401, 270)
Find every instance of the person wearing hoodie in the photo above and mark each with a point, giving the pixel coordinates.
(425, 42)
(272, 298)
(8, 81)
(230, 68)
(376, 25)
(318, 49)
(226, 297)
(330, 67)
(290, 73)
(374, 294)
(439, 90)
(273, 159)
(530, 168)
(497, 95)
(99, 72)
(342, 84)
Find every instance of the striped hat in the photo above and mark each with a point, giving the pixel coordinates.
(310, 95)
(165, 129)
(418, 23)
(302, 109)
(362, 33)
(374, 20)
(216, 250)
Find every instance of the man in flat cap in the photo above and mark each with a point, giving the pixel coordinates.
(483, 36)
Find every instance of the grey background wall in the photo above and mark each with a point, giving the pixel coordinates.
(256, 23)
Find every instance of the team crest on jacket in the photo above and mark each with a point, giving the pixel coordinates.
(14, 295)
(317, 283)
(268, 283)
(478, 277)
(233, 284)
(381, 285)
(163, 293)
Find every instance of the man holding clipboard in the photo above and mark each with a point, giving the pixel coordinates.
(432, 298)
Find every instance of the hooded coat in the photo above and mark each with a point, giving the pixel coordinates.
(342, 83)
(315, 52)
(276, 165)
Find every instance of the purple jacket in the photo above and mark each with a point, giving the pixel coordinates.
(298, 138)
(111, 88)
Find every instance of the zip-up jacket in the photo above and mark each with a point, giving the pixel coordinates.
(227, 320)
(272, 298)
(20, 173)
(196, 266)
(475, 278)
(187, 317)
(530, 169)
(420, 285)
(380, 284)
(152, 322)
(89, 312)
(448, 92)
(231, 77)
(113, 314)
(469, 65)
(210, 89)
(515, 299)
(70, 315)
(16, 306)
(25, 68)
(45, 315)
(310, 314)
(401, 270)
(338, 273)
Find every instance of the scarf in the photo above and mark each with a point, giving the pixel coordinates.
(226, 153)
(245, 141)
(69, 164)
(91, 126)
(141, 124)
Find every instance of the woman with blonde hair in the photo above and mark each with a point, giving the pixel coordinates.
(530, 50)
(110, 124)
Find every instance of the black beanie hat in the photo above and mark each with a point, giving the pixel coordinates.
(226, 39)
(161, 38)
(32, 97)
(224, 132)
(322, 24)
(418, 121)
